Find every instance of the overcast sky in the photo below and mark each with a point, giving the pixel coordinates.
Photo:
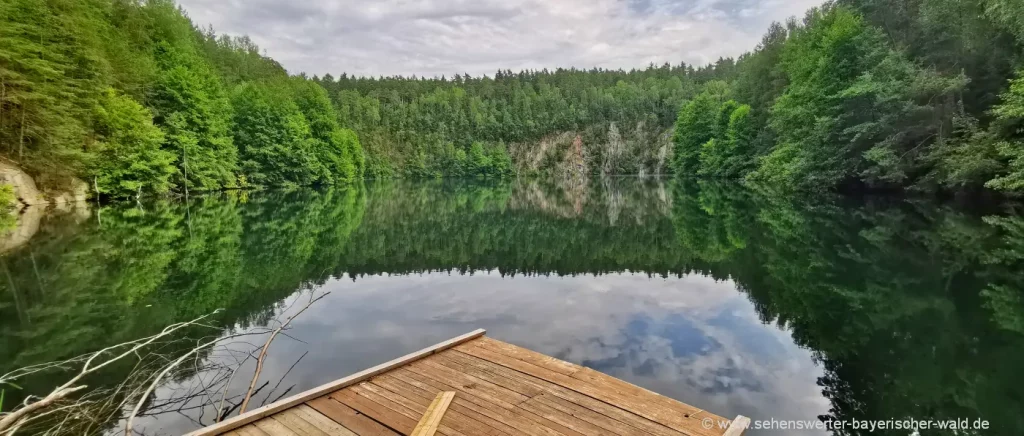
(434, 37)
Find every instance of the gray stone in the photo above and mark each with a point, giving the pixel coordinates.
(77, 192)
(24, 187)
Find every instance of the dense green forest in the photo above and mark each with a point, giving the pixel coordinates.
(133, 97)
(920, 94)
(429, 126)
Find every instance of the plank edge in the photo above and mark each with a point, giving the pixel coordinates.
(435, 413)
(737, 426)
(319, 391)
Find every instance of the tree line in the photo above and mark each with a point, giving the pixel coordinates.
(134, 97)
(924, 95)
(421, 126)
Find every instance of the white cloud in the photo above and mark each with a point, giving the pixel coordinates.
(434, 37)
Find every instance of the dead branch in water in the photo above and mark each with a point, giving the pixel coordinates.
(12, 420)
(204, 385)
(266, 346)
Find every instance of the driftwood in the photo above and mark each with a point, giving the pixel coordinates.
(74, 408)
(10, 421)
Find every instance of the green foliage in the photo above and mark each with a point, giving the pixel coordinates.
(697, 124)
(129, 157)
(874, 93)
(275, 143)
(1009, 126)
(190, 103)
(51, 72)
(124, 92)
(7, 221)
(854, 109)
(407, 124)
(338, 150)
(728, 154)
(1009, 14)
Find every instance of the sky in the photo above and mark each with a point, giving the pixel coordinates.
(445, 37)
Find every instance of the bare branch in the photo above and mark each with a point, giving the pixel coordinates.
(266, 346)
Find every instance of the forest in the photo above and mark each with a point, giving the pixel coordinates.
(925, 95)
(133, 97)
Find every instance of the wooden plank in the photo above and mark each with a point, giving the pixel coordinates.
(485, 403)
(516, 384)
(485, 392)
(270, 409)
(401, 406)
(525, 421)
(395, 402)
(737, 426)
(578, 400)
(603, 421)
(563, 418)
(649, 426)
(348, 417)
(291, 419)
(322, 422)
(659, 409)
(250, 430)
(455, 420)
(459, 410)
(274, 428)
(535, 415)
(453, 426)
(539, 359)
(378, 412)
(506, 396)
(386, 382)
(432, 418)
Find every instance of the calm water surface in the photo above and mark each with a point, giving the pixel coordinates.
(726, 299)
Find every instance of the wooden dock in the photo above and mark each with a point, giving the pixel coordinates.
(500, 389)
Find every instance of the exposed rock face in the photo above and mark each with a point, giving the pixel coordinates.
(24, 187)
(26, 191)
(32, 204)
(78, 191)
(638, 149)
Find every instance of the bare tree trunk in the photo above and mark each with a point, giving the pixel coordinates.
(3, 99)
(19, 307)
(21, 138)
(39, 278)
(184, 167)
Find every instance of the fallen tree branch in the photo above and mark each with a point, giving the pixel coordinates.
(71, 386)
(266, 346)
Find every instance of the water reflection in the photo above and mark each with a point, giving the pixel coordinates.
(735, 301)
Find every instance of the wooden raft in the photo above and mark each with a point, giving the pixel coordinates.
(500, 389)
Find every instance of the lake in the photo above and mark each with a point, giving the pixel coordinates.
(731, 300)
